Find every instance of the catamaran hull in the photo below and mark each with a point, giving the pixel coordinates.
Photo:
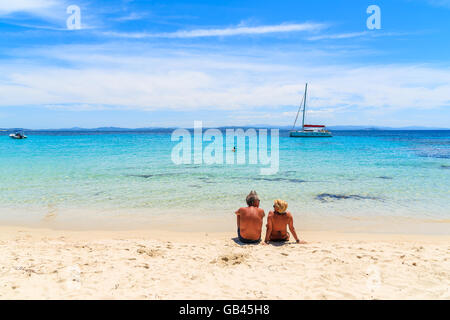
(16, 137)
(301, 134)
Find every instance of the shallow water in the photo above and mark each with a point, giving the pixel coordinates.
(358, 175)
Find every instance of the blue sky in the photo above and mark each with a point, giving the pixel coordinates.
(168, 63)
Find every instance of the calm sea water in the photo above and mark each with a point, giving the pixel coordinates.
(355, 176)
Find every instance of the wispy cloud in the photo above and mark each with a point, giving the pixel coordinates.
(339, 36)
(43, 14)
(52, 10)
(35, 14)
(34, 26)
(77, 107)
(366, 34)
(196, 81)
(439, 3)
(30, 6)
(133, 16)
(224, 32)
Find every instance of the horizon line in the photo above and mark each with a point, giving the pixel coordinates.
(256, 126)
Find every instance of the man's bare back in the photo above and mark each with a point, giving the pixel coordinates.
(249, 222)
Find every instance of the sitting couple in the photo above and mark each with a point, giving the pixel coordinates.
(250, 221)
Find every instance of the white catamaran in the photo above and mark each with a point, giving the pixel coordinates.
(18, 135)
(308, 130)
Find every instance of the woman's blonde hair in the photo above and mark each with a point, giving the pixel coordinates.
(280, 205)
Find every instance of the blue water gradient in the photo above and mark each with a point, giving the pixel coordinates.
(354, 175)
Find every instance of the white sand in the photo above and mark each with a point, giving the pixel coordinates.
(50, 264)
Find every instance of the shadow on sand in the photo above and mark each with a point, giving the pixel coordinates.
(273, 243)
(237, 241)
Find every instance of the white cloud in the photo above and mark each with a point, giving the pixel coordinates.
(339, 36)
(224, 32)
(76, 107)
(30, 6)
(43, 14)
(439, 3)
(367, 34)
(39, 14)
(188, 81)
(133, 16)
(52, 10)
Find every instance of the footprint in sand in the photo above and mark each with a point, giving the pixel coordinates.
(231, 259)
(51, 214)
(150, 252)
(328, 260)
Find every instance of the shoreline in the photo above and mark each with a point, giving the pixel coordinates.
(153, 233)
(93, 220)
(182, 220)
(157, 264)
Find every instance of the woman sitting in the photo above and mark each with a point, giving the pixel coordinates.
(277, 221)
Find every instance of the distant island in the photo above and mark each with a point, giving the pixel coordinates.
(258, 126)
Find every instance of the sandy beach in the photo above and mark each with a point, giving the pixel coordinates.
(150, 264)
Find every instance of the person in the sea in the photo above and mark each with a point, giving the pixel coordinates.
(250, 220)
(277, 221)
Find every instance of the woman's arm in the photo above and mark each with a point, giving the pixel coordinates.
(291, 227)
(269, 227)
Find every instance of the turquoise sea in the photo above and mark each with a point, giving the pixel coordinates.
(356, 181)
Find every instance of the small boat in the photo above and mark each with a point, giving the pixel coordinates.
(18, 135)
(308, 130)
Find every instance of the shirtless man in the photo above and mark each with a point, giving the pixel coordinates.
(250, 220)
(277, 222)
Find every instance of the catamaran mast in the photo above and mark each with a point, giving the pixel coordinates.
(304, 107)
(299, 108)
